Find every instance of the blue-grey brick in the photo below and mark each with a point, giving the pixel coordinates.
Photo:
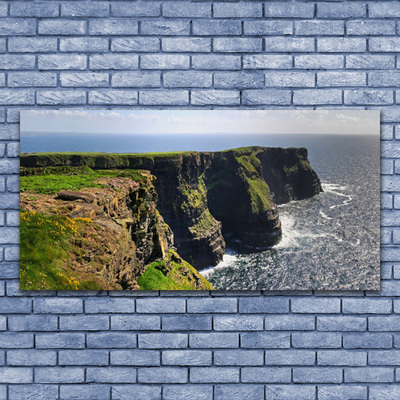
(288, 44)
(214, 340)
(214, 375)
(341, 11)
(84, 79)
(387, 323)
(61, 27)
(238, 80)
(389, 254)
(194, 45)
(57, 306)
(237, 45)
(186, 357)
(238, 323)
(32, 45)
(111, 340)
(368, 97)
(61, 61)
(262, 96)
(137, 9)
(384, 10)
(100, 306)
(235, 392)
(187, 323)
(10, 270)
(163, 340)
(390, 150)
(382, 392)
(316, 27)
(163, 375)
(342, 78)
(87, 45)
(289, 323)
(387, 44)
(33, 392)
(266, 375)
(386, 271)
(135, 44)
(264, 305)
(3, 9)
(32, 323)
(2, 45)
(7, 166)
(83, 357)
(217, 27)
(290, 357)
(369, 375)
(13, 151)
(18, 306)
(212, 305)
(384, 78)
(179, 392)
(3, 327)
(111, 375)
(216, 62)
(214, 97)
(365, 27)
(369, 61)
(288, 10)
(136, 392)
(135, 357)
(319, 61)
(342, 358)
(367, 341)
(31, 357)
(260, 340)
(162, 98)
(34, 9)
(114, 61)
(59, 375)
(268, 27)
(64, 97)
(32, 79)
(313, 97)
(317, 375)
(17, 26)
(7, 201)
(325, 306)
(85, 9)
(386, 201)
(238, 357)
(164, 61)
(2, 84)
(85, 392)
(289, 79)
(341, 323)
(316, 340)
(186, 79)
(179, 9)
(16, 340)
(165, 28)
(290, 392)
(84, 322)
(113, 27)
(347, 392)
(384, 357)
(17, 61)
(366, 306)
(16, 375)
(135, 322)
(396, 238)
(341, 45)
(237, 10)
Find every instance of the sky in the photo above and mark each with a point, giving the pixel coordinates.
(200, 121)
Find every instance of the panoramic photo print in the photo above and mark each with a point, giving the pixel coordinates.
(200, 200)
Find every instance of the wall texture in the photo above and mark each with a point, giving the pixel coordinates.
(198, 54)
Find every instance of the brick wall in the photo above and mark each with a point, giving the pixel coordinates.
(195, 54)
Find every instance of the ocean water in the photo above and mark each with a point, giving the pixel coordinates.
(330, 242)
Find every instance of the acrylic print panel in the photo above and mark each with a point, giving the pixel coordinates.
(199, 200)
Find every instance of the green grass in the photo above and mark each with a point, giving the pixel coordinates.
(171, 274)
(45, 240)
(51, 180)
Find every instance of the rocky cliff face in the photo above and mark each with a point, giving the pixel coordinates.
(207, 197)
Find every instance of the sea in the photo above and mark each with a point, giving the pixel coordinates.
(329, 242)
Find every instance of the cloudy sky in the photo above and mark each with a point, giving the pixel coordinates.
(200, 121)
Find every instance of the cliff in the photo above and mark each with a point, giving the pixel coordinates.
(207, 198)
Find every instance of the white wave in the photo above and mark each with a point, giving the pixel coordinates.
(227, 260)
(323, 215)
(337, 190)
